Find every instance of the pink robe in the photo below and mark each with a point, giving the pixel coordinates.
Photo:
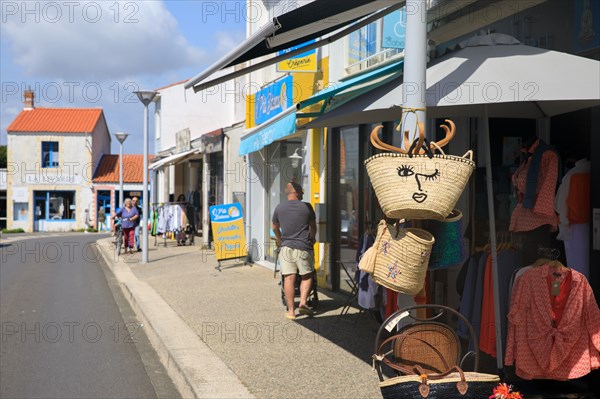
(540, 351)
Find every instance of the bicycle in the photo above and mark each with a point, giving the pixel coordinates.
(118, 238)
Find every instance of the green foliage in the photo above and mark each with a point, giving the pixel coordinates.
(10, 231)
(3, 157)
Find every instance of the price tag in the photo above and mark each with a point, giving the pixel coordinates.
(555, 291)
(394, 322)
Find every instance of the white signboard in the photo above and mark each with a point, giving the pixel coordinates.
(41, 178)
(20, 194)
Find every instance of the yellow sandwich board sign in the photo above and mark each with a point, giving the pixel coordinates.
(227, 225)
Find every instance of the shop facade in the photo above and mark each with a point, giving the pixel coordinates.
(342, 193)
(50, 187)
(511, 139)
(189, 141)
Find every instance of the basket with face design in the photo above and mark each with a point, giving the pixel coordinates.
(418, 186)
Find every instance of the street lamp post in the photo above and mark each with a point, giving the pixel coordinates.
(120, 136)
(146, 97)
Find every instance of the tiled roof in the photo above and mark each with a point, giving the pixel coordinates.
(171, 85)
(108, 170)
(56, 120)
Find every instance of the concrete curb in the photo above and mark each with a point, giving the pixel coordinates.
(194, 368)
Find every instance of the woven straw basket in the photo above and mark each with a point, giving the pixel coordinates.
(479, 386)
(401, 259)
(417, 186)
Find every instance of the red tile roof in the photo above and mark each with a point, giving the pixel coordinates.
(56, 120)
(108, 170)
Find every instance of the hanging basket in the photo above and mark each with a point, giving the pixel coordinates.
(401, 258)
(418, 184)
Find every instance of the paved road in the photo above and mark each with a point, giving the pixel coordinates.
(66, 330)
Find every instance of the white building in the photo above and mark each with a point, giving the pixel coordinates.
(52, 154)
(193, 133)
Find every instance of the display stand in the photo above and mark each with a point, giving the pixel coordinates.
(219, 268)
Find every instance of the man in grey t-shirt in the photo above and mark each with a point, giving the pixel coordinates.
(295, 228)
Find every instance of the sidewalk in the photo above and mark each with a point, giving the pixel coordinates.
(224, 334)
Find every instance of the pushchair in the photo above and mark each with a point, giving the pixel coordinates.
(313, 297)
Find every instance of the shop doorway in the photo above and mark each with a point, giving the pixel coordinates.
(279, 173)
(39, 211)
(104, 203)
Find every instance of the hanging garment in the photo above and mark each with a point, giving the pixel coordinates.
(508, 262)
(541, 350)
(154, 222)
(478, 298)
(468, 294)
(162, 221)
(525, 218)
(367, 288)
(572, 198)
(577, 248)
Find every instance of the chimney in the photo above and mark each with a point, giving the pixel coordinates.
(28, 103)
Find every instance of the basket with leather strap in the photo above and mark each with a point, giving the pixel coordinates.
(401, 257)
(454, 385)
(418, 183)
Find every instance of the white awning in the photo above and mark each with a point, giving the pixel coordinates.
(174, 159)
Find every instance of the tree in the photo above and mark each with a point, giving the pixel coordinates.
(3, 157)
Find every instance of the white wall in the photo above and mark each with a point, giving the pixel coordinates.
(201, 112)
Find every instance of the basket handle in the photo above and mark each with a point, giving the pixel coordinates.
(468, 154)
(462, 386)
(377, 143)
(450, 131)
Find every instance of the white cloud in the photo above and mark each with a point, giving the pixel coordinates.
(227, 40)
(96, 39)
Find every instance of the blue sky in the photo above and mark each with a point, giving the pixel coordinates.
(96, 53)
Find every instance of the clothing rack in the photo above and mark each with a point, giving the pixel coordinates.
(174, 218)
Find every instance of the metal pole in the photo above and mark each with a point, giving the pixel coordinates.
(415, 62)
(415, 66)
(494, 249)
(145, 207)
(120, 175)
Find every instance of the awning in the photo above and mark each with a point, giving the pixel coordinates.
(339, 93)
(284, 123)
(276, 128)
(294, 28)
(174, 159)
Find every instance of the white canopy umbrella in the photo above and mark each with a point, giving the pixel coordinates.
(502, 75)
(491, 76)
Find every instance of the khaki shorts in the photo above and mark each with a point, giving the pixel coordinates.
(292, 261)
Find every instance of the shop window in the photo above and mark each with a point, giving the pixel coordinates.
(350, 168)
(55, 205)
(362, 44)
(20, 211)
(49, 154)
